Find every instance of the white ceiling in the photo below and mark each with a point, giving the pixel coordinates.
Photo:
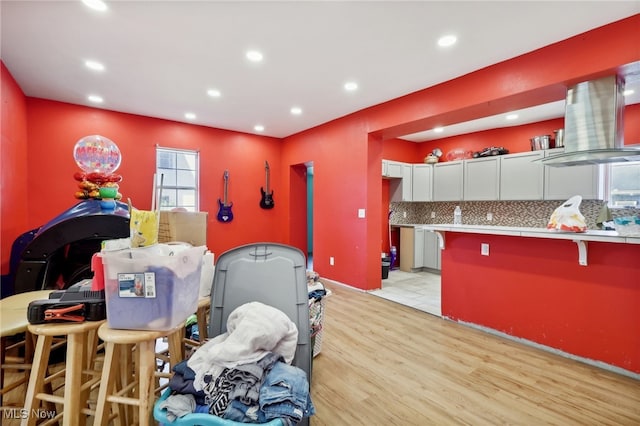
(161, 57)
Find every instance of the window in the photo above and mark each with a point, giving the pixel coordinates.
(178, 170)
(624, 184)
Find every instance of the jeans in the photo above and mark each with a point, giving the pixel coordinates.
(240, 412)
(285, 393)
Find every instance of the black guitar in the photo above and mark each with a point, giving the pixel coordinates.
(224, 207)
(266, 202)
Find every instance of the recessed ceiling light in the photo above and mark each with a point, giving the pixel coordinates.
(296, 110)
(511, 116)
(96, 4)
(94, 65)
(254, 56)
(448, 40)
(95, 99)
(214, 93)
(628, 92)
(438, 129)
(190, 116)
(350, 86)
(258, 127)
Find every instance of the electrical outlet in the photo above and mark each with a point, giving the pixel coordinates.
(331, 261)
(433, 215)
(484, 249)
(361, 213)
(404, 215)
(489, 217)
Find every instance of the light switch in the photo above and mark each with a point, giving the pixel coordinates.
(360, 213)
(484, 249)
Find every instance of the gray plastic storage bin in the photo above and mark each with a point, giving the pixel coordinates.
(270, 273)
(274, 274)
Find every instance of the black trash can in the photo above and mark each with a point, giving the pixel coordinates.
(385, 269)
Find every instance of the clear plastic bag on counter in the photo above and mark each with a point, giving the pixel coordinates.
(567, 217)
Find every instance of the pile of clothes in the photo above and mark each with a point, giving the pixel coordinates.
(245, 374)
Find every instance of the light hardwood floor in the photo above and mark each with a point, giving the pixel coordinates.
(382, 363)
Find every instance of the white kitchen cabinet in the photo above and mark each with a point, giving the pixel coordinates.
(422, 182)
(402, 189)
(448, 183)
(562, 183)
(418, 247)
(392, 169)
(431, 251)
(521, 177)
(482, 179)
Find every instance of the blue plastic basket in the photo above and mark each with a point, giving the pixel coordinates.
(197, 419)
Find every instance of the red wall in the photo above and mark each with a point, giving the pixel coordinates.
(513, 84)
(55, 127)
(340, 189)
(535, 289)
(514, 138)
(402, 150)
(346, 153)
(13, 164)
(38, 138)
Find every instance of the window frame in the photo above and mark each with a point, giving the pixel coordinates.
(608, 182)
(176, 187)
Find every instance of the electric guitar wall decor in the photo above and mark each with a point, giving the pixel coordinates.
(224, 207)
(266, 202)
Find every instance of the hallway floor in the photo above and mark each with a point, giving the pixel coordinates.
(419, 290)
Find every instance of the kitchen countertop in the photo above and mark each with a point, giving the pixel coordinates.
(516, 231)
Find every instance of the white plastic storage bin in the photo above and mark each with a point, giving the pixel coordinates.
(152, 288)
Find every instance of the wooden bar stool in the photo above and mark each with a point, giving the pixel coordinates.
(202, 314)
(15, 337)
(204, 305)
(79, 374)
(139, 392)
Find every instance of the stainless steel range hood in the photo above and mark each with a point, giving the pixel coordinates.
(594, 125)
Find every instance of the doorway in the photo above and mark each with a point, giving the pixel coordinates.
(301, 190)
(310, 215)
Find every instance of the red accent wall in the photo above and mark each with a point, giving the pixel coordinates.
(346, 155)
(55, 127)
(514, 138)
(339, 153)
(402, 150)
(535, 289)
(13, 164)
(513, 84)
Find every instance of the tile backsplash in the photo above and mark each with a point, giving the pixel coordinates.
(534, 214)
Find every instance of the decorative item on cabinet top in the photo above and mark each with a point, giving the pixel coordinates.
(459, 154)
(433, 157)
(491, 151)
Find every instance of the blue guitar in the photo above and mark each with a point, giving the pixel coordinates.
(224, 207)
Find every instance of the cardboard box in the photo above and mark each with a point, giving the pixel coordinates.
(184, 227)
